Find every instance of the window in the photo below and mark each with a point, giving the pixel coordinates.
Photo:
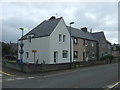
(108, 46)
(65, 53)
(92, 44)
(93, 54)
(27, 54)
(29, 39)
(106, 53)
(84, 42)
(102, 55)
(75, 54)
(63, 38)
(60, 37)
(75, 41)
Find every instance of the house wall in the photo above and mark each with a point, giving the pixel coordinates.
(55, 45)
(116, 50)
(91, 49)
(103, 47)
(80, 48)
(40, 44)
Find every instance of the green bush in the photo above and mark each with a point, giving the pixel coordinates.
(106, 57)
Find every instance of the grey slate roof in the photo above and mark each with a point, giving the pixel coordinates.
(43, 29)
(98, 35)
(47, 27)
(80, 34)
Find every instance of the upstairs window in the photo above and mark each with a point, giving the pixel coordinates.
(109, 46)
(75, 54)
(29, 39)
(93, 55)
(92, 44)
(65, 53)
(85, 42)
(75, 41)
(60, 37)
(63, 38)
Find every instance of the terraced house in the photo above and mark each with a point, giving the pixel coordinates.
(84, 45)
(104, 46)
(52, 39)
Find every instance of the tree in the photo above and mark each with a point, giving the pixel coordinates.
(5, 49)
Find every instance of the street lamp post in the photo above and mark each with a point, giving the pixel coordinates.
(70, 46)
(21, 45)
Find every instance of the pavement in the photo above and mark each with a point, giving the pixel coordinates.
(102, 76)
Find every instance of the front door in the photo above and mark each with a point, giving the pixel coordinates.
(55, 56)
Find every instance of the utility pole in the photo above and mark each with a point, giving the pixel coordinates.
(70, 47)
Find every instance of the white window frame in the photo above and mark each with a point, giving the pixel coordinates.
(60, 37)
(92, 44)
(75, 41)
(64, 38)
(64, 52)
(76, 52)
(93, 53)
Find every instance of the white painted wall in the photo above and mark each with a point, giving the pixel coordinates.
(47, 45)
(55, 45)
(41, 45)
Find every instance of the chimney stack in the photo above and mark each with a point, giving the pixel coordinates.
(53, 17)
(84, 29)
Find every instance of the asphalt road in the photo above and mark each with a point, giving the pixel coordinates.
(92, 77)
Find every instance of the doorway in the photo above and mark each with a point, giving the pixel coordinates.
(55, 56)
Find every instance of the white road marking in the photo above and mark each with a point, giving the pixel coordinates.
(19, 78)
(9, 79)
(31, 77)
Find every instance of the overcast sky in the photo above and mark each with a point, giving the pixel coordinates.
(96, 15)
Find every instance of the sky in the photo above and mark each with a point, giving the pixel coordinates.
(100, 16)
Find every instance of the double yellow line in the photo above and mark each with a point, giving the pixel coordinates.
(6, 74)
(112, 86)
(115, 84)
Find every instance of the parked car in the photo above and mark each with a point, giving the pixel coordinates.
(10, 57)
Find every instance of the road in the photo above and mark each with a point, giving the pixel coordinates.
(91, 77)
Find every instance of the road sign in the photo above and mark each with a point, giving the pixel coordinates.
(21, 51)
(21, 45)
(34, 51)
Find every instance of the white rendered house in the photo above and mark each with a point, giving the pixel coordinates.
(48, 43)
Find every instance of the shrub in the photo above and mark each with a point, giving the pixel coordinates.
(106, 57)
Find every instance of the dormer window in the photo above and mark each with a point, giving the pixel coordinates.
(29, 39)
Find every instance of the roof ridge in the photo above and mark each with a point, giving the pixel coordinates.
(42, 28)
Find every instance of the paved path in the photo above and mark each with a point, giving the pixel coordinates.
(93, 77)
